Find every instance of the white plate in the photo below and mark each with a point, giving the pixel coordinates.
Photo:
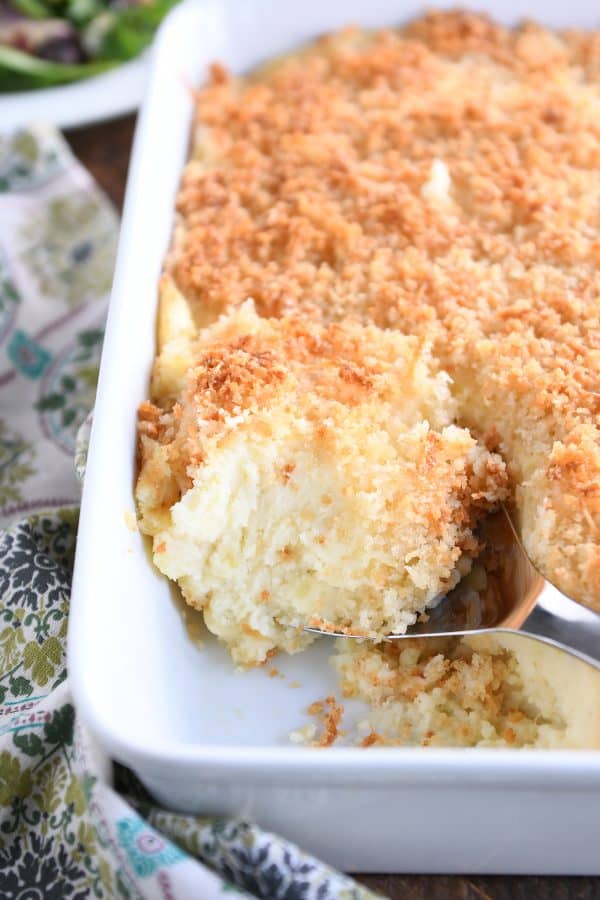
(200, 736)
(94, 99)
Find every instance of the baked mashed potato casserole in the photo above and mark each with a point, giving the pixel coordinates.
(378, 318)
(313, 476)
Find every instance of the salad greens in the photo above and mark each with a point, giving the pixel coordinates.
(21, 71)
(51, 42)
(129, 30)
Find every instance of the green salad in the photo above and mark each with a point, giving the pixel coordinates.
(51, 42)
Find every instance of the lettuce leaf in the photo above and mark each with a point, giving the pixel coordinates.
(78, 12)
(128, 31)
(33, 9)
(21, 71)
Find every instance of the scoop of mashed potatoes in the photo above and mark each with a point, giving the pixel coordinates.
(296, 474)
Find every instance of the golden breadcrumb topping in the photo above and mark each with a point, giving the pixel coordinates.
(244, 363)
(441, 179)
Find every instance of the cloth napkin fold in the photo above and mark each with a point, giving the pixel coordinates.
(65, 832)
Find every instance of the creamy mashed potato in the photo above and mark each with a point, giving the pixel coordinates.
(502, 690)
(314, 478)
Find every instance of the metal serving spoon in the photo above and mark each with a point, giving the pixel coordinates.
(513, 597)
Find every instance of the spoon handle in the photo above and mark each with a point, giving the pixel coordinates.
(558, 620)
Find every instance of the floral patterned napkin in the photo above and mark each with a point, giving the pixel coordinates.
(65, 832)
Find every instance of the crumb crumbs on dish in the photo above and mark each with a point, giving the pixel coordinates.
(303, 735)
(130, 518)
(328, 713)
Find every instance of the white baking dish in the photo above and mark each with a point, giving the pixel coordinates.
(201, 737)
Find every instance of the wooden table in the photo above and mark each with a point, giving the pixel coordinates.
(104, 150)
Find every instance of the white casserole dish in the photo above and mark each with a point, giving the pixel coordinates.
(201, 737)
